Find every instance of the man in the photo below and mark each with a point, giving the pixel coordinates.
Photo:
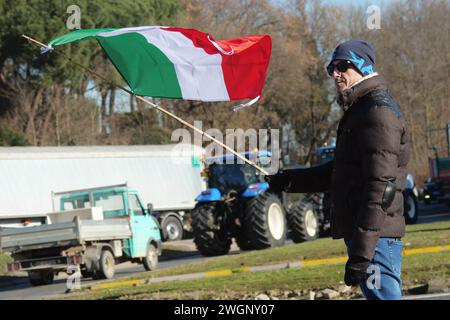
(366, 176)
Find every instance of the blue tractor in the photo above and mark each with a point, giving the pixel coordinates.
(310, 217)
(238, 204)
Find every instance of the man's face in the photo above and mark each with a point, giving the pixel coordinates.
(344, 79)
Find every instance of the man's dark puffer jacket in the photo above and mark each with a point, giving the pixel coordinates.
(372, 148)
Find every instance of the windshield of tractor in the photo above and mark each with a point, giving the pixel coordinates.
(326, 154)
(226, 177)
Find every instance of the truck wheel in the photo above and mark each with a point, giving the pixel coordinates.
(106, 265)
(86, 274)
(209, 239)
(151, 258)
(323, 205)
(41, 278)
(265, 221)
(172, 229)
(243, 241)
(303, 220)
(410, 207)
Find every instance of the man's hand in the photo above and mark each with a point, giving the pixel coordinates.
(278, 182)
(356, 270)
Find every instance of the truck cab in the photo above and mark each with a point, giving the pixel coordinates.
(117, 202)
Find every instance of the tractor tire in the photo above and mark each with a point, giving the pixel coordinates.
(265, 221)
(303, 219)
(323, 205)
(243, 241)
(410, 207)
(210, 240)
(172, 229)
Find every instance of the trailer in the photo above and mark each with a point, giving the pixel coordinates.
(168, 176)
(438, 186)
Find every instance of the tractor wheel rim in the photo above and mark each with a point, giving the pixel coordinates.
(411, 212)
(172, 231)
(276, 221)
(311, 223)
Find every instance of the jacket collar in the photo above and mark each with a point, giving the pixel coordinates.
(361, 88)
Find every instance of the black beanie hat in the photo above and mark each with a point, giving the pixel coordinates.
(359, 53)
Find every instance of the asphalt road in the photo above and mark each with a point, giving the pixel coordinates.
(19, 288)
(433, 213)
(434, 296)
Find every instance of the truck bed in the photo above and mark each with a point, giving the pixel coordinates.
(63, 234)
(19, 221)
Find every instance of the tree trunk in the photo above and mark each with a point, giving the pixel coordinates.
(83, 87)
(140, 105)
(104, 95)
(34, 107)
(112, 101)
(112, 106)
(132, 103)
(55, 95)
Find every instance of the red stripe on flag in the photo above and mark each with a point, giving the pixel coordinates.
(245, 70)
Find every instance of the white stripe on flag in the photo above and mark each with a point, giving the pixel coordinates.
(199, 74)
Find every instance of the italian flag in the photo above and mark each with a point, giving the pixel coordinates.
(182, 63)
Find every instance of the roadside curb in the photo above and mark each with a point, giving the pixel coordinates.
(229, 272)
(407, 252)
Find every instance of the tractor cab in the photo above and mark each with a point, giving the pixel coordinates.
(227, 177)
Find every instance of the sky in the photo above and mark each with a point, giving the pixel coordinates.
(379, 3)
(123, 99)
(365, 3)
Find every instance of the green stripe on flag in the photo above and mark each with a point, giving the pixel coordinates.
(82, 34)
(146, 68)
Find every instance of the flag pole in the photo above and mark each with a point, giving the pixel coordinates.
(146, 101)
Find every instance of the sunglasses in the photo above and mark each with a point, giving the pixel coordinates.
(341, 66)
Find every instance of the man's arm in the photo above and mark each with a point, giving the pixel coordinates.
(314, 179)
(379, 139)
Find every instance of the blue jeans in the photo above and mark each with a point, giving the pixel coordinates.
(384, 282)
